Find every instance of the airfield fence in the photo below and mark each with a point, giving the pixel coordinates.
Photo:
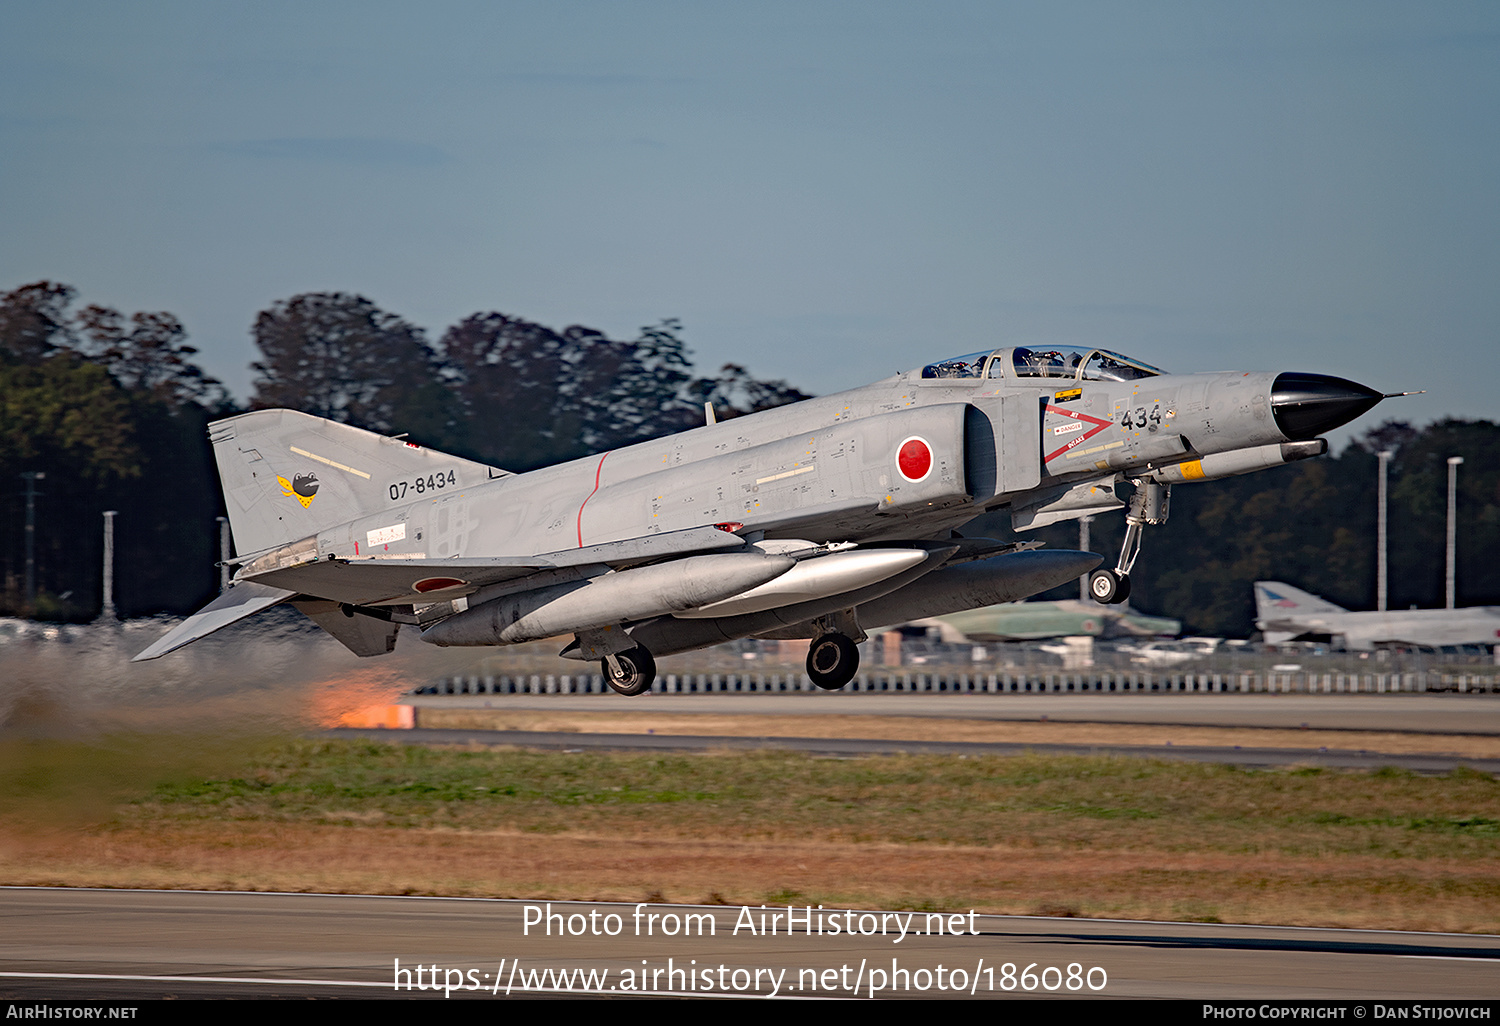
(905, 681)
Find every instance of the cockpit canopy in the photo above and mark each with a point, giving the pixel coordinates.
(1043, 362)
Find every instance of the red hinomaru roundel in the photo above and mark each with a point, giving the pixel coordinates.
(914, 458)
(427, 584)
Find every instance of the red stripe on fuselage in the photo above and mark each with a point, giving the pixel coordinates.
(597, 471)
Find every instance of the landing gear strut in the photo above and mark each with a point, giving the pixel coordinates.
(1149, 504)
(629, 672)
(832, 661)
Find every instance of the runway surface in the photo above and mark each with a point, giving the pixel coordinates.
(102, 944)
(1431, 715)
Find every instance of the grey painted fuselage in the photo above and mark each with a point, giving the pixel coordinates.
(826, 469)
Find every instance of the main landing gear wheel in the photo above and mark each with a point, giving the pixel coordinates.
(832, 661)
(631, 672)
(1109, 587)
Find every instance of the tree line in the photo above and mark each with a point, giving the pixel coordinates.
(113, 409)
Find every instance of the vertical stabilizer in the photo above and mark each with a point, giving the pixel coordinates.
(1277, 601)
(288, 475)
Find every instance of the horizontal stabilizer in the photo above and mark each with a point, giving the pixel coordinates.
(241, 600)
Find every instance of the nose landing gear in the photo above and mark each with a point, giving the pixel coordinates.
(1150, 504)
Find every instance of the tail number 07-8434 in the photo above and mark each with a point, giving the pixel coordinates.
(423, 485)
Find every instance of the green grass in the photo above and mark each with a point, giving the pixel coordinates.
(1039, 800)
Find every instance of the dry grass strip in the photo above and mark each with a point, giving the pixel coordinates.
(1345, 892)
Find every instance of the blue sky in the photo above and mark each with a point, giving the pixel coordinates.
(826, 192)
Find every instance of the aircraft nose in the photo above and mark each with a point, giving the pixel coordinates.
(1306, 405)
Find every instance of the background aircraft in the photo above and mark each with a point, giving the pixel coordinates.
(806, 521)
(1030, 621)
(1289, 614)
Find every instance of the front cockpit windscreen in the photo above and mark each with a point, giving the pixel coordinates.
(1080, 364)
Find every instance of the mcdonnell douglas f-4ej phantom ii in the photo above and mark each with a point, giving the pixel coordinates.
(815, 520)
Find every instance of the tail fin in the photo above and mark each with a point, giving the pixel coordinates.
(288, 475)
(1277, 601)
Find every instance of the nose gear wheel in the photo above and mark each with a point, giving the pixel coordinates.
(1109, 587)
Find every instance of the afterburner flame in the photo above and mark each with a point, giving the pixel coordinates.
(390, 717)
(359, 698)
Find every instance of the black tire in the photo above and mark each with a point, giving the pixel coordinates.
(832, 661)
(1109, 587)
(633, 672)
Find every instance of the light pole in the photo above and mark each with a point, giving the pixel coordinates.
(31, 477)
(1380, 566)
(223, 555)
(1453, 462)
(1083, 546)
(108, 612)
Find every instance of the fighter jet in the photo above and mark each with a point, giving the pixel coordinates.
(806, 521)
(1285, 613)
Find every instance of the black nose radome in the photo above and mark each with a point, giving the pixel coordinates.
(1306, 405)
